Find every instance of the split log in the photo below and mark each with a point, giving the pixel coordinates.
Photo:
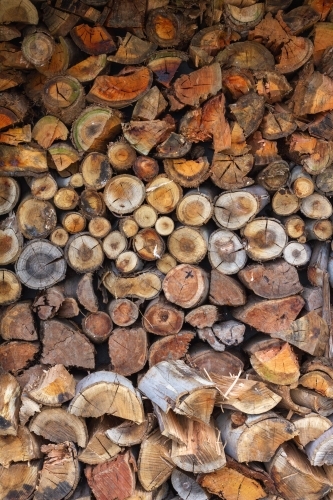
(9, 405)
(94, 40)
(61, 460)
(21, 478)
(293, 475)
(103, 393)
(228, 333)
(47, 304)
(82, 289)
(274, 280)
(203, 316)
(187, 392)
(154, 465)
(205, 359)
(145, 135)
(88, 69)
(170, 348)
(114, 479)
(54, 387)
(17, 322)
(230, 172)
(17, 355)
(128, 350)
(312, 400)
(63, 155)
(310, 427)
(63, 343)
(128, 433)
(164, 65)
(270, 316)
(57, 425)
(99, 448)
(225, 290)
(132, 50)
(146, 285)
(24, 447)
(251, 437)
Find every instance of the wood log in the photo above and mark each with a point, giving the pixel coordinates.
(23, 447)
(121, 155)
(96, 170)
(162, 318)
(114, 244)
(312, 400)
(61, 460)
(97, 326)
(123, 312)
(163, 194)
(318, 263)
(146, 285)
(63, 155)
(310, 427)
(88, 69)
(73, 223)
(99, 227)
(9, 194)
(154, 464)
(128, 433)
(186, 285)
(94, 40)
(99, 448)
(188, 245)
(274, 280)
(294, 476)
(17, 355)
(164, 65)
(123, 194)
(148, 244)
(9, 404)
(192, 396)
(57, 336)
(21, 478)
(170, 348)
(318, 381)
(132, 50)
(265, 238)
(297, 254)
(203, 316)
(226, 252)
(11, 241)
(225, 290)
(47, 304)
(145, 168)
(84, 253)
(54, 387)
(22, 160)
(17, 322)
(186, 486)
(128, 350)
(230, 172)
(267, 431)
(194, 209)
(274, 361)
(57, 425)
(107, 393)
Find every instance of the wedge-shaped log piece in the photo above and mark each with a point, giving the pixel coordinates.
(188, 173)
(128, 349)
(254, 437)
(19, 479)
(49, 129)
(175, 146)
(128, 433)
(57, 425)
(165, 63)
(82, 289)
(318, 364)
(99, 448)
(310, 427)
(88, 69)
(245, 395)
(313, 94)
(17, 322)
(17, 355)
(94, 40)
(170, 348)
(187, 392)
(225, 291)
(60, 474)
(47, 303)
(319, 451)
(249, 111)
(146, 285)
(55, 387)
(9, 405)
(203, 450)
(202, 316)
(107, 392)
(63, 343)
(272, 85)
(196, 87)
(205, 359)
(319, 382)
(251, 55)
(150, 106)
(121, 90)
(237, 482)
(229, 172)
(273, 360)
(186, 486)
(186, 285)
(23, 447)
(16, 135)
(312, 400)
(22, 160)
(207, 42)
(171, 425)
(274, 280)
(294, 477)
(145, 135)
(132, 50)
(314, 154)
(162, 318)
(227, 333)
(114, 479)
(310, 333)
(154, 465)
(19, 11)
(270, 316)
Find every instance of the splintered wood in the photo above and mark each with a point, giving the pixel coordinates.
(166, 257)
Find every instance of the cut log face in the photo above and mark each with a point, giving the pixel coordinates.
(9, 405)
(186, 285)
(23, 447)
(122, 399)
(114, 479)
(162, 318)
(55, 387)
(21, 478)
(171, 347)
(57, 425)
(128, 350)
(226, 252)
(17, 322)
(254, 437)
(266, 239)
(99, 448)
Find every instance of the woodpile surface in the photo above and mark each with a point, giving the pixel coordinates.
(166, 258)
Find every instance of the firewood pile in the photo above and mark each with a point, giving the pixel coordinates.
(166, 173)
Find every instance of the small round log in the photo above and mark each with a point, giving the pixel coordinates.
(188, 245)
(76, 180)
(92, 203)
(97, 326)
(114, 244)
(163, 194)
(36, 218)
(38, 48)
(63, 97)
(9, 194)
(84, 253)
(145, 216)
(265, 238)
(123, 194)
(316, 206)
(66, 198)
(275, 176)
(128, 227)
(121, 155)
(285, 203)
(194, 209)
(295, 228)
(164, 27)
(93, 40)
(99, 448)
(49, 129)
(166, 263)
(73, 222)
(40, 265)
(318, 229)
(301, 182)
(145, 168)
(164, 226)
(43, 188)
(99, 227)
(226, 253)
(297, 254)
(186, 285)
(162, 318)
(10, 287)
(148, 244)
(59, 237)
(123, 312)
(128, 263)
(96, 170)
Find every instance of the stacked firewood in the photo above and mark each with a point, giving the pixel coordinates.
(165, 249)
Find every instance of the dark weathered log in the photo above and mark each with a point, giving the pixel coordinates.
(128, 350)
